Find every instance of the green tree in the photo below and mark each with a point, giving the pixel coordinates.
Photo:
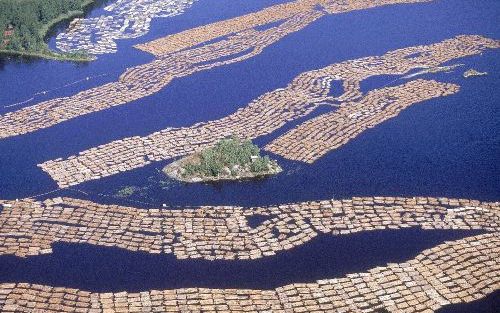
(28, 19)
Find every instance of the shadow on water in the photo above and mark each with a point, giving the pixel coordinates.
(101, 269)
(6, 58)
(490, 304)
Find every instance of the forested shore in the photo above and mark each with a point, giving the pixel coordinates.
(25, 23)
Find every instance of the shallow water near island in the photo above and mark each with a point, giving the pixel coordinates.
(446, 147)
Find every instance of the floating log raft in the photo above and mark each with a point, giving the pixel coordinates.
(275, 109)
(30, 227)
(147, 79)
(454, 272)
(313, 139)
(126, 19)
(267, 16)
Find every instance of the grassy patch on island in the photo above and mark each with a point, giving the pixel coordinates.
(230, 158)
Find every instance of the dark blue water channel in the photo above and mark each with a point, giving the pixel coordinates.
(445, 147)
(102, 269)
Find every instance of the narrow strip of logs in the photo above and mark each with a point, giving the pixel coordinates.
(275, 109)
(29, 227)
(234, 45)
(315, 138)
(454, 272)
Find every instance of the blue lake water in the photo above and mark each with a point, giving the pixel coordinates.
(111, 269)
(445, 147)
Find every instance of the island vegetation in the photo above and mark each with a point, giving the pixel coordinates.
(229, 159)
(24, 25)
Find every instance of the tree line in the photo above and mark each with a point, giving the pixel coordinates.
(28, 18)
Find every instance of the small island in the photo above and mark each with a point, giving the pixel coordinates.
(25, 24)
(230, 159)
(474, 73)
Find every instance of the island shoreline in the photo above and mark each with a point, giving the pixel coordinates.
(45, 32)
(172, 171)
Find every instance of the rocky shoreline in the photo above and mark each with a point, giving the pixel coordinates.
(176, 171)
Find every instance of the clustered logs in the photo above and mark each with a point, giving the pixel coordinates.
(203, 48)
(271, 111)
(29, 227)
(316, 137)
(126, 19)
(454, 272)
(267, 17)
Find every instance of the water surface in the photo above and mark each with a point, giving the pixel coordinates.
(446, 147)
